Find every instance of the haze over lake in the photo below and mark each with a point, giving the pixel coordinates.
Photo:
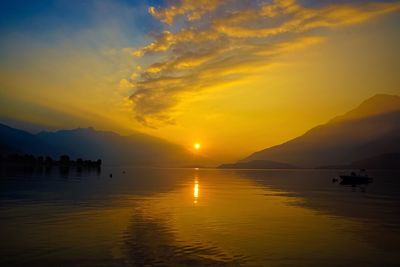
(205, 217)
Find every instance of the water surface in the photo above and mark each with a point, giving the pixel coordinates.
(188, 217)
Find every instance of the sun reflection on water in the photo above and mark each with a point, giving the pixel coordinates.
(196, 191)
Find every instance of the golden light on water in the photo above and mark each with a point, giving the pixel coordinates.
(196, 191)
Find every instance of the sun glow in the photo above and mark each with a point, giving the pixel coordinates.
(197, 146)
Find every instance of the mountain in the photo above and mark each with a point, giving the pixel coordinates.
(18, 141)
(384, 161)
(88, 143)
(113, 148)
(257, 164)
(371, 129)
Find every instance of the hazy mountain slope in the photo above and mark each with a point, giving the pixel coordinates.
(114, 148)
(17, 141)
(372, 128)
(257, 164)
(376, 105)
(87, 143)
(384, 161)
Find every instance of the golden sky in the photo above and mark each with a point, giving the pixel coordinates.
(235, 76)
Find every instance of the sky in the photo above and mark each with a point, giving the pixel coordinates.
(234, 76)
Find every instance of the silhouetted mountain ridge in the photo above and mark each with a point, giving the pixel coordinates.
(112, 148)
(384, 161)
(371, 129)
(18, 141)
(376, 105)
(258, 164)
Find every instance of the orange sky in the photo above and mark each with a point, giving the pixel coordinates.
(235, 80)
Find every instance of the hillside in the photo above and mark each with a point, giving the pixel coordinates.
(88, 143)
(257, 164)
(371, 129)
(113, 148)
(18, 141)
(384, 161)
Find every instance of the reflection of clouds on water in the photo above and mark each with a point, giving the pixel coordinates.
(150, 241)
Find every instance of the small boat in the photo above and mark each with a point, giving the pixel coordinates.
(356, 178)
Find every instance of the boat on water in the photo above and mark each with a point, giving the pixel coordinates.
(356, 178)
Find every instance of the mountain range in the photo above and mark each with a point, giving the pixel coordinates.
(88, 143)
(368, 131)
(367, 134)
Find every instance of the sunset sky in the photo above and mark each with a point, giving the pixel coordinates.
(234, 76)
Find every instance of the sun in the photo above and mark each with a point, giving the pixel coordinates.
(197, 146)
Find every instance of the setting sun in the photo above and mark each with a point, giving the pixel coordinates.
(197, 146)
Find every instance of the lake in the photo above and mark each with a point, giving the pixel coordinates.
(205, 217)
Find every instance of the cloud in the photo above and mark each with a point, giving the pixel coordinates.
(191, 9)
(223, 41)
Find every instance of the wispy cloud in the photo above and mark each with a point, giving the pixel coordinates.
(192, 10)
(207, 43)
